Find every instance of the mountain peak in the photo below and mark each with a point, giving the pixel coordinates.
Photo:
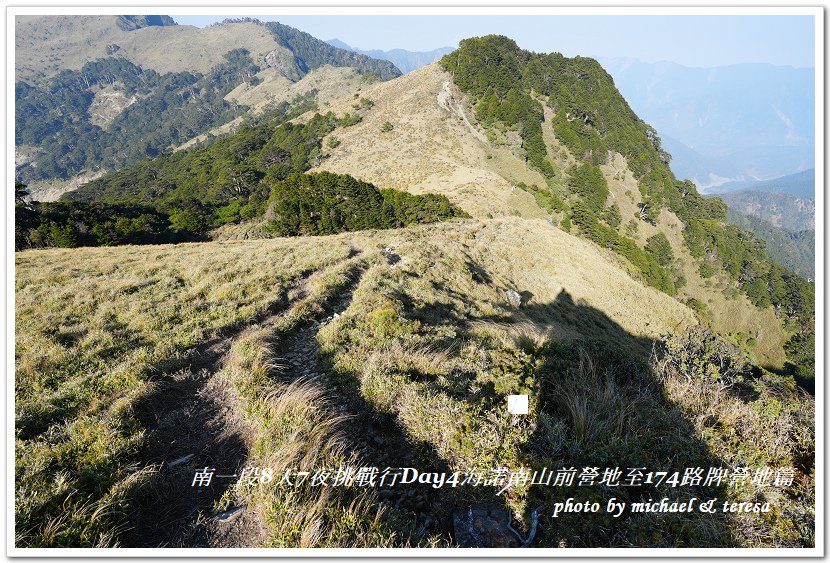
(406, 61)
(130, 23)
(339, 44)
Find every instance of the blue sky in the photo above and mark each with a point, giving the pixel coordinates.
(701, 41)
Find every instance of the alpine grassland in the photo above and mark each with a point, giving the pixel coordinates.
(393, 348)
(96, 331)
(277, 277)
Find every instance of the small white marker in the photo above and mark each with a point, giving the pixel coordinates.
(517, 404)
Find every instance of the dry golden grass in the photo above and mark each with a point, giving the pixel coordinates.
(433, 150)
(45, 45)
(330, 82)
(299, 430)
(729, 310)
(429, 149)
(429, 338)
(95, 325)
(93, 328)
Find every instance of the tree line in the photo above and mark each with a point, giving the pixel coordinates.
(167, 110)
(258, 171)
(592, 119)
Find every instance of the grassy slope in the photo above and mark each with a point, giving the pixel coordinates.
(96, 327)
(419, 356)
(429, 149)
(46, 45)
(330, 82)
(795, 250)
(728, 310)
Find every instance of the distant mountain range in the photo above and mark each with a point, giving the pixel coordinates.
(406, 61)
(97, 93)
(783, 210)
(736, 123)
(800, 184)
(717, 174)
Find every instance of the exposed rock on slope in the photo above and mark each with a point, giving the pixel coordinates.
(330, 83)
(45, 45)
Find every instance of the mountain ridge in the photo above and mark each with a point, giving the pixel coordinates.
(643, 328)
(122, 96)
(405, 60)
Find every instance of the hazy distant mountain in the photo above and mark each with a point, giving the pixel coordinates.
(801, 184)
(736, 170)
(406, 61)
(783, 210)
(733, 123)
(795, 250)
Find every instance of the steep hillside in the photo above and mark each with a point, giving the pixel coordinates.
(506, 150)
(271, 89)
(713, 297)
(46, 45)
(94, 92)
(431, 147)
(783, 210)
(593, 121)
(435, 142)
(794, 249)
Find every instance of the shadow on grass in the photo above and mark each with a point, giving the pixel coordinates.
(599, 405)
(415, 511)
(187, 417)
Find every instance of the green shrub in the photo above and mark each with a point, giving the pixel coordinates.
(699, 354)
(323, 203)
(349, 119)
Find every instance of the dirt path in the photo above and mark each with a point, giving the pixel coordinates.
(195, 421)
(375, 437)
(447, 100)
